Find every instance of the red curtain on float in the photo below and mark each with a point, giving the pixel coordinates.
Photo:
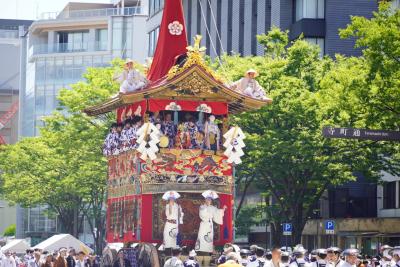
(216, 108)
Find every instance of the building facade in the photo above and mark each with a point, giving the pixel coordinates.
(59, 48)
(231, 26)
(10, 47)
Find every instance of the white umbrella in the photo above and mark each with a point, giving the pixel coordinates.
(210, 194)
(171, 194)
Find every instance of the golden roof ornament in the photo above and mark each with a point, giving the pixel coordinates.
(195, 55)
(196, 47)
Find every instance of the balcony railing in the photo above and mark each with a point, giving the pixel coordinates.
(104, 12)
(67, 48)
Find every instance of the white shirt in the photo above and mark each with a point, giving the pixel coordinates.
(173, 262)
(8, 262)
(299, 263)
(344, 264)
(321, 263)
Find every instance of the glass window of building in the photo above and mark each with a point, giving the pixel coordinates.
(317, 41)
(101, 39)
(117, 33)
(73, 41)
(153, 37)
(389, 195)
(155, 6)
(310, 9)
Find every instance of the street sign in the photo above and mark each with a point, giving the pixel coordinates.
(330, 227)
(363, 134)
(287, 229)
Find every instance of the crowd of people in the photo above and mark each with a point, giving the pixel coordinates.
(37, 258)
(256, 256)
(192, 132)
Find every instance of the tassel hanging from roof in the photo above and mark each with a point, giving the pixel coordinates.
(148, 140)
(234, 145)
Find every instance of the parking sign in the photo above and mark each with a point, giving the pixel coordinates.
(330, 227)
(287, 229)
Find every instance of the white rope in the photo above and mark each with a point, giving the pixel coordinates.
(216, 27)
(209, 35)
(207, 29)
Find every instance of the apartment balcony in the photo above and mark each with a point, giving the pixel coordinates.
(104, 12)
(44, 49)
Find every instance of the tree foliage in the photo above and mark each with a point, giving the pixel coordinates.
(292, 162)
(10, 230)
(64, 168)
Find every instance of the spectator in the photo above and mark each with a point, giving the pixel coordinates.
(71, 258)
(81, 261)
(259, 261)
(48, 261)
(191, 261)
(121, 261)
(232, 260)
(8, 260)
(60, 261)
(35, 262)
(174, 261)
(93, 260)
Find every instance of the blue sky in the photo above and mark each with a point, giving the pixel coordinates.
(31, 9)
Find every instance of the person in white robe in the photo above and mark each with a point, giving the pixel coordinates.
(130, 79)
(249, 86)
(174, 215)
(208, 214)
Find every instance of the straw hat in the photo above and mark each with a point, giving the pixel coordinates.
(251, 71)
(128, 60)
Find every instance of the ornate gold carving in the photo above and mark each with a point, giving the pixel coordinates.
(195, 55)
(193, 85)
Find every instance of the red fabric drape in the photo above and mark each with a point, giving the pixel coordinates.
(132, 108)
(172, 40)
(216, 108)
(147, 219)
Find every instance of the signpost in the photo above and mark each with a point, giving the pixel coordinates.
(287, 229)
(362, 134)
(330, 227)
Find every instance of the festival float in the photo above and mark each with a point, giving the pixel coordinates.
(181, 144)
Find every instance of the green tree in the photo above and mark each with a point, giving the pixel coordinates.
(379, 98)
(292, 162)
(64, 168)
(10, 230)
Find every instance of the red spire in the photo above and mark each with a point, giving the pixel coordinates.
(172, 40)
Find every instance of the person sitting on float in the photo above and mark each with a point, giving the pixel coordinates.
(130, 79)
(249, 86)
(191, 130)
(111, 141)
(212, 134)
(168, 128)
